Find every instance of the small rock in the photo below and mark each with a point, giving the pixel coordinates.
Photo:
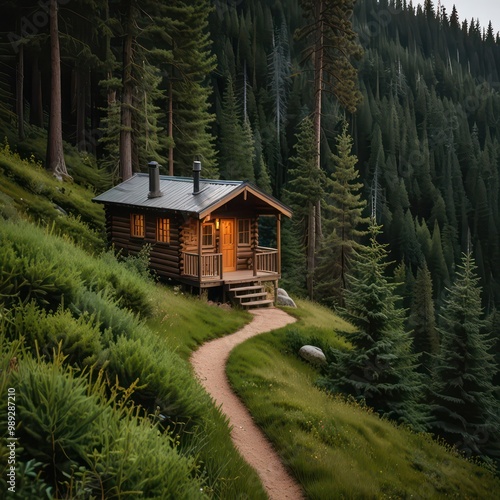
(281, 292)
(312, 354)
(281, 300)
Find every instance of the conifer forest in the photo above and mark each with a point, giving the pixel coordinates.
(376, 121)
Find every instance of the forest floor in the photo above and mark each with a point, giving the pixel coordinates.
(209, 363)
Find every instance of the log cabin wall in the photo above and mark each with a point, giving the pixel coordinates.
(164, 256)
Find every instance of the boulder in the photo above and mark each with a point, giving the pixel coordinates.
(283, 299)
(312, 354)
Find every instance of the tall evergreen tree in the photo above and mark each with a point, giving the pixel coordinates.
(332, 46)
(381, 367)
(304, 191)
(55, 153)
(422, 320)
(188, 72)
(464, 409)
(344, 224)
(236, 145)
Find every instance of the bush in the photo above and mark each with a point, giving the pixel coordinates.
(135, 460)
(26, 275)
(112, 320)
(126, 286)
(81, 439)
(165, 384)
(56, 416)
(78, 339)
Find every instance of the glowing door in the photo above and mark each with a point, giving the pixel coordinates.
(228, 247)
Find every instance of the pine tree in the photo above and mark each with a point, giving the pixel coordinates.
(345, 207)
(237, 150)
(188, 70)
(304, 191)
(55, 153)
(332, 47)
(464, 409)
(381, 368)
(422, 320)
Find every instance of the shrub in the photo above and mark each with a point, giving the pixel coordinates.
(56, 416)
(135, 459)
(26, 275)
(112, 320)
(79, 339)
(127, 286)
(165, 384)
(81, 439)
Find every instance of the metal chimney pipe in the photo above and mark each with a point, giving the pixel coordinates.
(196, 176)
(154, 180)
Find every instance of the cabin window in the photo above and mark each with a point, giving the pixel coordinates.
(207, 235)
(137, 225)
(244, 231)
(163, 230)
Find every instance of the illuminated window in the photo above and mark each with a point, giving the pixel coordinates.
(163, 230)
(137, 225)
(207, 235)
(244, 232)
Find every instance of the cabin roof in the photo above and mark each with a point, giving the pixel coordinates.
(178, 195)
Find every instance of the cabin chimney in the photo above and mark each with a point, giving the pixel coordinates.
(196, 176)
(154, 180)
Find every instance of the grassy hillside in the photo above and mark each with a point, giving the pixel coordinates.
(106, 406)
(335, 447)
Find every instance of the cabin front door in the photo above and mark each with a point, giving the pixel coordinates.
(228, 244)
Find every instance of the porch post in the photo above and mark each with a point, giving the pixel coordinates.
(199, 249)
(278, 241)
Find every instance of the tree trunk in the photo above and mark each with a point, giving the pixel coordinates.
(311, 236)
(171, 128)
(36, 111)
(126, 107)
(20, 93)
(55, 152)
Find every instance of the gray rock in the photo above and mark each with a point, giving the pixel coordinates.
(281, 300)
(312, 354)
(281, 292)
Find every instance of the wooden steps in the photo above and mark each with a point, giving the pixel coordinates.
(249, 296)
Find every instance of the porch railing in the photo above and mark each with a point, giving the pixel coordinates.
(203, 266)
(265, 260)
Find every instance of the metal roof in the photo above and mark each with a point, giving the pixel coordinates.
(178, 194)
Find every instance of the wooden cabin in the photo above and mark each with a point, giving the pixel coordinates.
(203, 233)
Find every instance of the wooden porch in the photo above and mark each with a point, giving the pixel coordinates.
(206, 270)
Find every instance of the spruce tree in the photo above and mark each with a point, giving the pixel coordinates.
(422, 320)
(381, 368)
(345, 211)
(304, 191)
(237, 149)
(464, 409)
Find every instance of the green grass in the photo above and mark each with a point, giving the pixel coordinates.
(336, 448)
(185, 322)
(28, 191)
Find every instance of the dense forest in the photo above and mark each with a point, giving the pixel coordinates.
(376, 121)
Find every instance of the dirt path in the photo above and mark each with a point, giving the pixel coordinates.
(209, 363)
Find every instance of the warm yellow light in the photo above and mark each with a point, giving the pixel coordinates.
(217, 223)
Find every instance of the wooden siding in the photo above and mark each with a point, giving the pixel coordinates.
(164, 256)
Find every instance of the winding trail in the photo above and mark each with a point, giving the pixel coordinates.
(209, 363)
